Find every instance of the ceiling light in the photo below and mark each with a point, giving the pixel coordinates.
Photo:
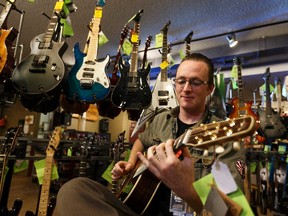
(232, 40)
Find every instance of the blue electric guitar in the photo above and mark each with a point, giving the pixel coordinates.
(132, 91)
(87, 80)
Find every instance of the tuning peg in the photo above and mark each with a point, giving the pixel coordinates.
(236, 145)
(205, 153)
(219, 150)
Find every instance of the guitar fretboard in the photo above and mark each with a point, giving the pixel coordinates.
(5, 13)
(164, 57)
(3, 159)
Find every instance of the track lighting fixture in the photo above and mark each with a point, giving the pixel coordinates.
(232, 40)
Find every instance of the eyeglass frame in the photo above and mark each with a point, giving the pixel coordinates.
(191, 82)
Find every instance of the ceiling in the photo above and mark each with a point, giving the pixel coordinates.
(209, 20)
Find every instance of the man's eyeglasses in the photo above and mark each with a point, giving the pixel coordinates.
(192, 82)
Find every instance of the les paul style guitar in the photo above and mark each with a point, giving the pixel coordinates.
(7, 63)
(132, 90)
(87, 80)
(145, 183)
(270, 121)
(9, 145)
(38, 78)
(240, 107)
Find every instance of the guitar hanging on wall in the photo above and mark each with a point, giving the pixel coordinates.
(9, 145)
(39, 77)
(7, 61)
(145, 183)
(270, 121)
(163, 93)
(240, 107)
(87, 80)
(105, 107)
(132, 90)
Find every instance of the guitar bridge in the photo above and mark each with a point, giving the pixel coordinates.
(86, 83)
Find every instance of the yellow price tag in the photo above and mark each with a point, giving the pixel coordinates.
(98, 13)
(164, 65)
(58, 5)
(134, 38)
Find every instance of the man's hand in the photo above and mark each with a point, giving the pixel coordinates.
(120, 169)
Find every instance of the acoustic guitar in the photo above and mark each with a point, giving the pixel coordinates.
(7, 36)
(132, 90)
(87, 80)
(9, 146)
(145, 184)
(271, 125)
(39, 77)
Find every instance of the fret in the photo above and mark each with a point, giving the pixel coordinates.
(164, 57)
(93, 42)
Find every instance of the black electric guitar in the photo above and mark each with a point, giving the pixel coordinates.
(105, 106)
(270, 121)
(87, 80)
(132, 90)
(7, 61)
(38, 78)
(45, 204)
(6, 149)
(85, 153)
(118, 149)
(145, 183)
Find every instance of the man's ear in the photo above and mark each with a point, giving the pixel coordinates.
(212, 88)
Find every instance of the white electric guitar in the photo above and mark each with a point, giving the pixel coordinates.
(163, 94)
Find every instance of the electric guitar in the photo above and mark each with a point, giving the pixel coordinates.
(270, 121)
(7, 63)
(145, 183)
(39, 77)
(105, 106)
(118, 149)
(87, 80)
(163, 93)
(9, 145)
(45, 207)
(240, 107)
(132, 90)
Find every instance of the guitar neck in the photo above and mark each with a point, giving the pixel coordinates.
(94, 36)
(45, 189)
(240, 86)
(268, 99)
(5, 14)
(134, 54)
(164, 58)
(3, 160)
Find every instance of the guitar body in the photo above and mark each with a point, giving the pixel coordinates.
(242, 109)
(132, 92)
(7, 63)
(87, 81)
(271, 125)
(42, 71)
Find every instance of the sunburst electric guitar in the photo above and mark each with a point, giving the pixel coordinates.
(6, 39)
(145, 183)
(87, 80)
(132, 90)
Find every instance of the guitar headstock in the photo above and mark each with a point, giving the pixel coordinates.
(54, 141)
(238, 61)
(164, 30)
(148, 41)
(10, 140)
(217, 133)
(266, 75)
(118, 147)
(189, 38)
(86, 145)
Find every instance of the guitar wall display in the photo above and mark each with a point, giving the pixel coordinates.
(9, 145)
(145, 183)
(87, 80)
(7, 36)
(271, 125)
(39, 77)
(132, 90)
(45, 204)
